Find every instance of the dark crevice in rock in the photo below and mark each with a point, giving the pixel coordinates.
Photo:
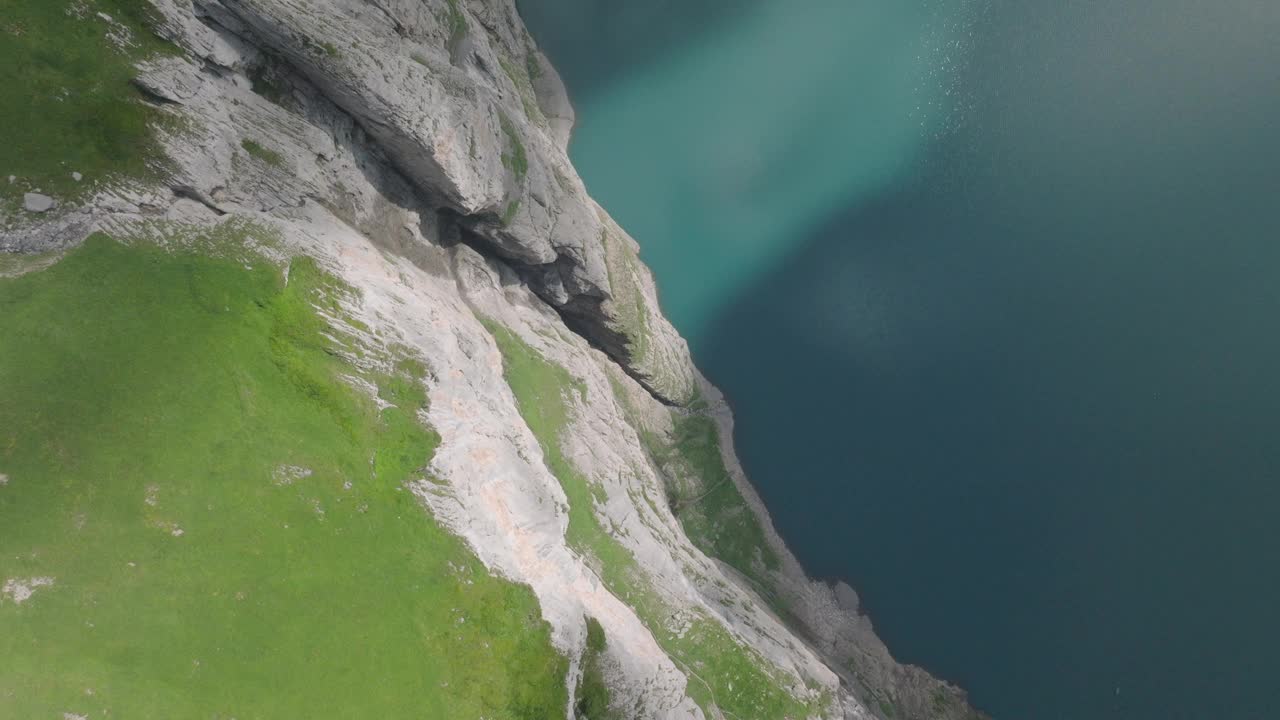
(190, 193)
(557, 283)
(399, 27)
(559, 286)
(581, 312)
(151, 95)
(582, 315)
(451, 231)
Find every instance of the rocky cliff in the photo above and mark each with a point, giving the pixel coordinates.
(402, 164)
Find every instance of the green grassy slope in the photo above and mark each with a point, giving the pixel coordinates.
(159, 412)
(592, 699)
(710, 507)
(702, 495)
(66, 102)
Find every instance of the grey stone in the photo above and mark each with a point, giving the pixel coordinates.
(77, 176)
(38, 203)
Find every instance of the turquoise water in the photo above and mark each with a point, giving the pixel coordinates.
(992, 289)
(723, 151)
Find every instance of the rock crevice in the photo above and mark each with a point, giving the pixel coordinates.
(487, 146)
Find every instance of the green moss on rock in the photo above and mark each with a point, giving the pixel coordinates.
(630, 315)
(592, 698)
(509, 214)
(712, 510)
(515, 159)
(455, 23)
(631, 312)
(265, 154)
(520, 77)
(723, 672)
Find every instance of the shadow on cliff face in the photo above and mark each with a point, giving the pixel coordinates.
(1027, 402)
(593, 42)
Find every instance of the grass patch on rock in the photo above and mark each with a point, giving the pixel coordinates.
(263, 153)
(223, 516)
(455, 23)
(630, 310)
(711, 509)
(509, 214)
(266, 78)
(702, 495)
(67, 103)
(592, 698)
(520, 77)
(516, 159)
(724, 673)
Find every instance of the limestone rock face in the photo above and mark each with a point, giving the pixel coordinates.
(417, 150)
(470, 112)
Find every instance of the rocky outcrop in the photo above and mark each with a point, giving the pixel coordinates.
(467, 110)
(38, 203)
(417, 149)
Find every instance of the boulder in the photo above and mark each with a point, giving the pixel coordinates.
(38, 203)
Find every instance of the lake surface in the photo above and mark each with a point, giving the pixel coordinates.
(994, 290)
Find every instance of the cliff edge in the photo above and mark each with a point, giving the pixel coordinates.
(343, 269)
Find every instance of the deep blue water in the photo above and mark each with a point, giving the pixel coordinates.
(999, 316)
